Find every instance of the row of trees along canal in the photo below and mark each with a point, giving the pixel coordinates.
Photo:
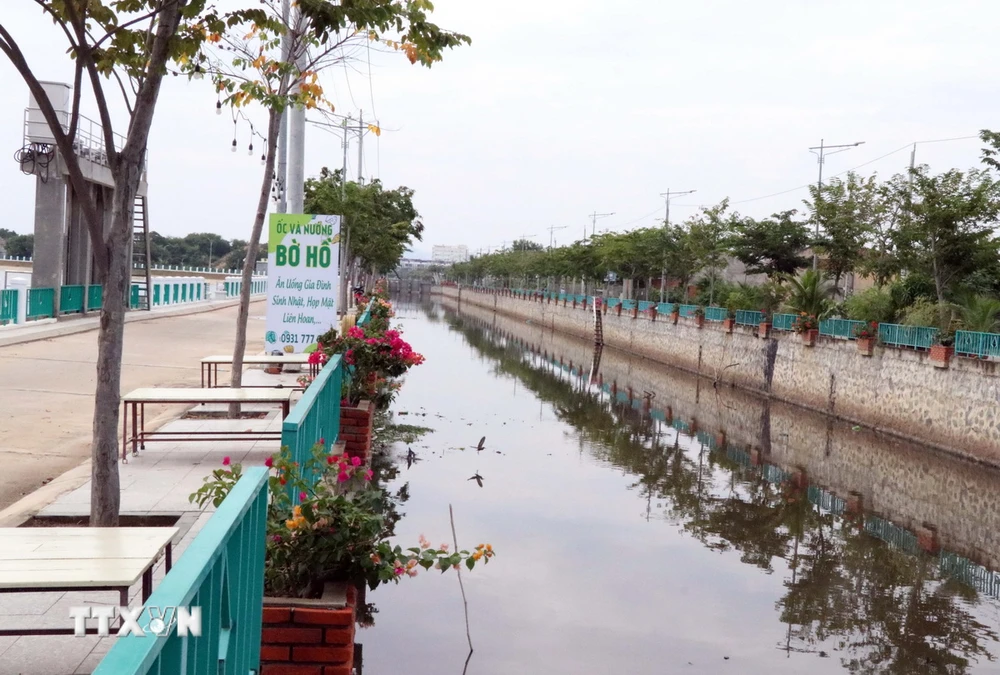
(127, 47)
(925, 240)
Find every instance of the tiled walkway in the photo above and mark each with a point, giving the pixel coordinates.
(156, 482)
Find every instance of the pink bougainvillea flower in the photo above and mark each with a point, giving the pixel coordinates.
(411, 573)
(444, 547)
(368, 474)
(269, 462)
(399, 571)
(226, 461)
(277, 538)
(302, 496)
(355, 461)
(322, 441)
(342, 477)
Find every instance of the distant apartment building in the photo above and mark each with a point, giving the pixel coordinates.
(449, 254)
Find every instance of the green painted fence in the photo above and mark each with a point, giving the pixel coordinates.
(221, 571)
(687, 310)
(41, 303)
(978, 345)
(95, 297)
(71, 299)
(783, 321)
(748, 317)
(915, 337)
(8, 306)
(841, 328)
(316, 416)
(716, 314)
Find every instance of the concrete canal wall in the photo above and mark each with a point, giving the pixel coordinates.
(908, 484)
(898, 391)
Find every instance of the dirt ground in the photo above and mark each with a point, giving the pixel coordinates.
(47, 387)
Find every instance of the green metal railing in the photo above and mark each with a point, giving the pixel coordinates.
(687, 310)
(748, 317)
(840, 328)
(644, 305)
(222, 572)
(716, 314)
(783, 321)
(8, 307)
(41, 303)
(95, 297)
(979, 345)
(892, 534)
(915, 337)
(71, 299)
(365, 317)
(665, 308)
(316, 416)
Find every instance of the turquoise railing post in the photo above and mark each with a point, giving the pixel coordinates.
(95, 296)
(316, 416)
(70, 299)
(365, 316)
(156, 294)
(978, 345)
(914, 337)
(222, 572)
(41, 303)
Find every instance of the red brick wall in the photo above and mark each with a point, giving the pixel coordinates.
(308, 640)
(356, 429)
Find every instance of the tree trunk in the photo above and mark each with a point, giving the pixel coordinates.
(939, 287)
(105, 494)
(240, 344)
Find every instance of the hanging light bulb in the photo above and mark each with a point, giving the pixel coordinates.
(263, 160)
(198, 73)
(250, 149)
(218, 107)
(234, 145)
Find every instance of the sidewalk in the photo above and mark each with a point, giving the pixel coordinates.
(156, 482)
(43, 329)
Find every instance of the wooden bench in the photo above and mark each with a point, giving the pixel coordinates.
(138, 399)
(47, 559)
(210, 366)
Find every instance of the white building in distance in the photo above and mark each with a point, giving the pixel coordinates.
(449, 254)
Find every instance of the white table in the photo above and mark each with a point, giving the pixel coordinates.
(138, 399)
(45, 559)
(210, 365)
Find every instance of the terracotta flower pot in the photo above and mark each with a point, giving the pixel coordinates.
(764, 330)
(652, 313)
(699, 321)
(674, 315)
(809, 337)
(866, 346)
(727, 325)
(941, 355)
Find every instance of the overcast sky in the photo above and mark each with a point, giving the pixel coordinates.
(561, 108)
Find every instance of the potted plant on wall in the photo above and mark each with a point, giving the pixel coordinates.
(807, 326)
(764, 328)
(699, 316)
(730, 320)
(866, 337)
(943, 348)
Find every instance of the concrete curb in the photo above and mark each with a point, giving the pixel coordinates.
(88, 323)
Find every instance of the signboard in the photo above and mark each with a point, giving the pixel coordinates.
(302, 257)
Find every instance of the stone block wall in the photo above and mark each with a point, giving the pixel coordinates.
(896, 390)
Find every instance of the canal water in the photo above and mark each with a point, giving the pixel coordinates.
(649, 522)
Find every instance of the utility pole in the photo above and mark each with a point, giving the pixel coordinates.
(552, 229)
(821, 151)
(666, 222)
(593, 220)
(286, 46)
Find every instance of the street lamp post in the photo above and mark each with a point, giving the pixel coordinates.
(821, 151)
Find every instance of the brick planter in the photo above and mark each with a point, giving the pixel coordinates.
(727, 325)
(866, 346)
(809, 337)
(356, 429)
(309, 637)
(699, 321)
(674, 316)
(941, 355)
(764, 330)
(652, 313)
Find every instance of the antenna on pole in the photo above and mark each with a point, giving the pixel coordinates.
(593, 220)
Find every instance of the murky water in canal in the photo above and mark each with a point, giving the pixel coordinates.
(646, 522)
